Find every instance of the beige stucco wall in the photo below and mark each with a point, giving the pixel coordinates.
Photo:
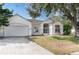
(36, 24)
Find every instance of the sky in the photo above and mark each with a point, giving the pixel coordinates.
(20, 8)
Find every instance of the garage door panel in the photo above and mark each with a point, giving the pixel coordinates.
(1, 32)
(16, 31)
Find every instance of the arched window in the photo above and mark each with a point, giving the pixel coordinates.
(46, 28)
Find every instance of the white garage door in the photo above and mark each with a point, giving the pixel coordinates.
(16, 31)
(1, 32)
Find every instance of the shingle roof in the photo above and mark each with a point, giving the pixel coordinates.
(27, 19)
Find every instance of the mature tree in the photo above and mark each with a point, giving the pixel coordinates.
(34, 10)
(4, 15)
(69, 10)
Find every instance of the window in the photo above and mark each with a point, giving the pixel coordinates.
(35, 29)
(57, 28)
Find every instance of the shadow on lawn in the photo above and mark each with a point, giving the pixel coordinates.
(71, 38)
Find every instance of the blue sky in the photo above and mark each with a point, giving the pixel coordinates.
(20, 8)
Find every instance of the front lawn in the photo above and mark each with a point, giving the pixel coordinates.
(59, 45)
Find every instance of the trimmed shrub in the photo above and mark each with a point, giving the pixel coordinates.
(67, 28)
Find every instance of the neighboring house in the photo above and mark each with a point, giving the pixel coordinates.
(20, 26)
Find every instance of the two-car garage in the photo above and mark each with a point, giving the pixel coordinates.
(16, 31)
(18, 26)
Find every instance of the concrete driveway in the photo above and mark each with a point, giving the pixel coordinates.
(21, 45)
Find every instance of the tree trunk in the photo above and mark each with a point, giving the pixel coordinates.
(76, 26)
(33, 24)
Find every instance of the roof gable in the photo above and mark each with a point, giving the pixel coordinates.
(18, 19)
(56, 19)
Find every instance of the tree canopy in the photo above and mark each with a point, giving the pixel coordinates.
(4, 15)
(70, 12)
(34, 10)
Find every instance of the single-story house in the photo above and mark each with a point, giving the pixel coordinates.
(20, 26)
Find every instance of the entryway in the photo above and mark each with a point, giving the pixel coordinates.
(57, 29)
(46, 29)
